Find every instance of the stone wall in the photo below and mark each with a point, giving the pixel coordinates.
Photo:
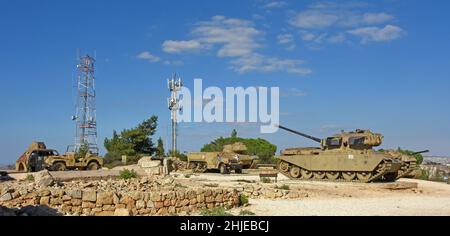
(98, 203)
(160, 196)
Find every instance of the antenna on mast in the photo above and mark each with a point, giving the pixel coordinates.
(173, 102)
(85, 117)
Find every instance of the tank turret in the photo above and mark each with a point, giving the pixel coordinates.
(359, 139)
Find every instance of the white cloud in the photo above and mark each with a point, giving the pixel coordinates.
(287, 40)
(313, 19)
(338, 38)
(331, 23)
(292, 92)
(176, 63)
(275, 4)
(235, 37)
(239, 40)
(148, 56)
(376, 34)
(343, 18)
(307, 36)
(171, 46)
(376, 18)
(260, 63)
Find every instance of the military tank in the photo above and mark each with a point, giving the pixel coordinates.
(409, 162)
(348, 156)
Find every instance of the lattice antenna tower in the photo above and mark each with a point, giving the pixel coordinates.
(173, 102)
(85, 117)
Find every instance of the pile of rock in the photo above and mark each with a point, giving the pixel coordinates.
(260, 191)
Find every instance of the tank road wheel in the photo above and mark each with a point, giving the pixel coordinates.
(192, 165)
(319, 175)
(364, 176)
(390, 177)
(283, 166)
(93, 166)
(58, 166)
(332, 175)
(348, 175)
(306, 174)
(295, 172)
(200, 168)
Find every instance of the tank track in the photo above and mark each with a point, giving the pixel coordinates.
(408, 169)
(378, 174)
(197, 167)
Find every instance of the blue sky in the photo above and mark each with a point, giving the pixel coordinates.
(383, 65)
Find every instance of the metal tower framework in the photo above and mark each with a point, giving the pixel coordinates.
(173, 102)
(85, 118)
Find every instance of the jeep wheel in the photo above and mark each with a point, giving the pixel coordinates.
(238, 171)
(93, 166)
(58, 166)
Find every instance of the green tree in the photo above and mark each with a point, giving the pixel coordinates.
(82, 151)
(234, 134)
(160, 148)
(132, 142)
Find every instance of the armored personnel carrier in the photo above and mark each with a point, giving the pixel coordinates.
(232, 157)
(348, 156)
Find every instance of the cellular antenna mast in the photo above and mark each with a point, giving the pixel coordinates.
(85, 118)
(174, 84)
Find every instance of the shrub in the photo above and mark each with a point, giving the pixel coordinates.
(30, 177)
(127, 174)
(424, 174)
(243, 200)
(246, 213)
(216, 211)
(266, 180)
(283, 187)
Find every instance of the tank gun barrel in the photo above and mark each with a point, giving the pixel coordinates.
(424, 151)
(301, 134)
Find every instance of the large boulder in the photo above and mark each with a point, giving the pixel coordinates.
(6, 197)
(43, 178)
(150, 166)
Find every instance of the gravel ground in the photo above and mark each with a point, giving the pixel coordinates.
(428, 199)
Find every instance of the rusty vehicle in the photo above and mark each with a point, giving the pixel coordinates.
(233, 157)
(409, 162)
(37, 157)
(348, 156)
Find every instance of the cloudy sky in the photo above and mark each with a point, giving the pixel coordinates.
(383, 65)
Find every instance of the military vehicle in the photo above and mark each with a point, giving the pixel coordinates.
(37, 157)
(348, 156)
(409, 162)
(232, 157)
